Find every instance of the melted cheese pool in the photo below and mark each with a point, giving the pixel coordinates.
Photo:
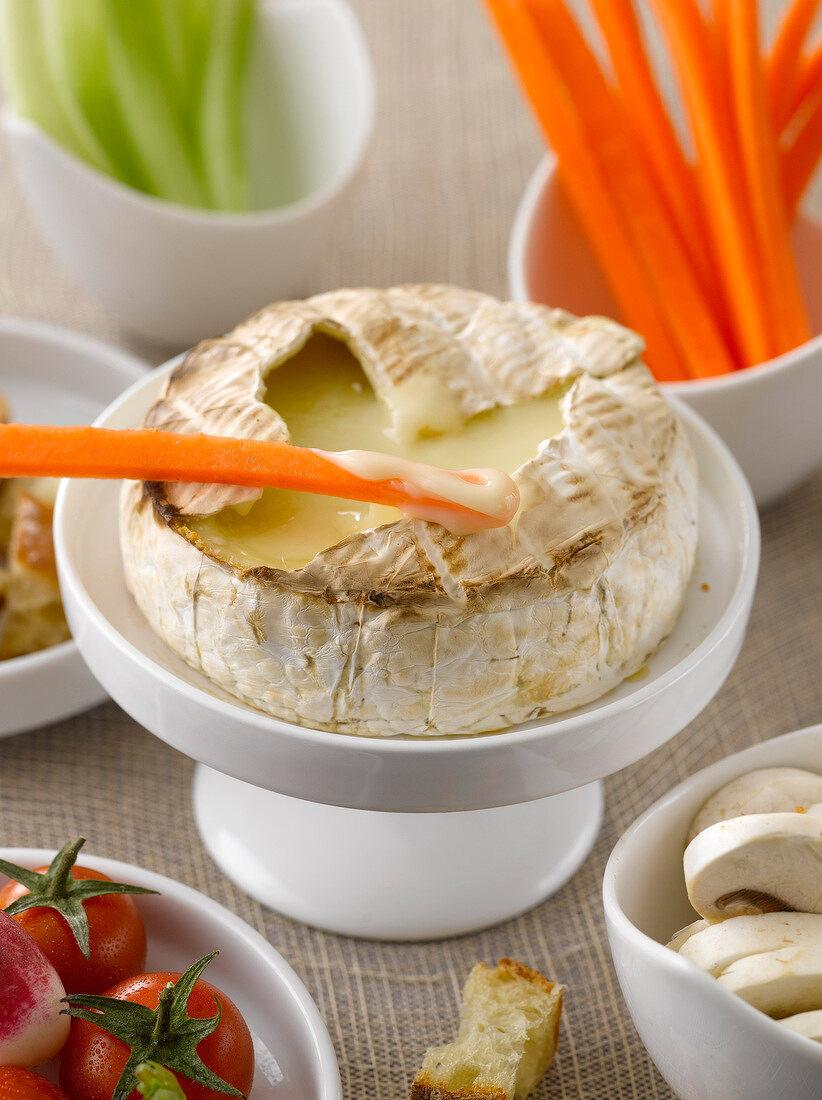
(327, 402)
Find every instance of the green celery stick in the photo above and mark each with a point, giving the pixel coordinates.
(78, 31)
(143, 89)
(58, 70)
(196, 17)
(27, 76)
(152, 92)
(223, 139)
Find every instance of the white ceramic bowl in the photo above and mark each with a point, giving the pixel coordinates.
(409, 774)
(373, 832)
(768, 415)
(706, 1042)
(175, 275)
(182, 925)
(53, 376)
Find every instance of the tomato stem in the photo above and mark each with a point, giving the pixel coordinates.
(162, 1022)
(58, 877)
(58, 889)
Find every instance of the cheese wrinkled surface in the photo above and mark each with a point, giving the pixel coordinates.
(383, 627)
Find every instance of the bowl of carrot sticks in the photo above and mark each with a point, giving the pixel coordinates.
(693, 235)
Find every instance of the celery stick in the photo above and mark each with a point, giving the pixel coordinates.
(78, 28)
(57, 68)
(223, 111)
(142, 89)
(29, 82)
(196, 18)
(152, 92)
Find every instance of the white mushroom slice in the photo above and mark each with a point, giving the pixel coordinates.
(779, 983)
(387, 626)
(808, 1024)
(715, 947)
(761, 863)
(765, 791)
(684, 934)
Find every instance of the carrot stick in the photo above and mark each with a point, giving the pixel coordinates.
(801, 159)
(655, 241)
(720, 176)
(806, 86)
(784, 59)
(763, 180)
(588, 190)
(28, 450)
(657, 137)
(801, 148)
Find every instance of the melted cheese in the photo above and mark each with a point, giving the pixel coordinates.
(325, 399)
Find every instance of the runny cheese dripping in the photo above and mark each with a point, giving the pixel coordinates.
(431, 490)
(325, 399)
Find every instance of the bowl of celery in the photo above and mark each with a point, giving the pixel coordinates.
(187, 161)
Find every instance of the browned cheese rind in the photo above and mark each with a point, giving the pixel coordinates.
(406, 628)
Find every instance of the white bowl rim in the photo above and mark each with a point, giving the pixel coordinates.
(120, 871)
(43, 331)
(617, 917)
(227, 220)
(478, 743)
(12, 666)
(517, 244)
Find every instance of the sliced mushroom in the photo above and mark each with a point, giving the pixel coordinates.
(765, 791)
(808, 1024)
(684, 934)
(780, 983)
(715, 947)
(761, 863)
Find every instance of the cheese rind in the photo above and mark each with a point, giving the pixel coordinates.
(405, 629)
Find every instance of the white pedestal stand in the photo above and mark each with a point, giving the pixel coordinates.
(394, 876)
(422, 837)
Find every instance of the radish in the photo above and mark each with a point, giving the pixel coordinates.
(31, 1027)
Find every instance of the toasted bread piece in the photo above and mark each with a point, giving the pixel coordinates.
(507, 1038)
(34, 616)
(7, 501)
(5, 493)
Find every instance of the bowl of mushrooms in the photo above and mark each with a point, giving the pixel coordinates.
(713, 902)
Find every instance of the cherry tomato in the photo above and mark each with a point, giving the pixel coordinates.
(23, 1084)
(92, 1059)
(117, 936)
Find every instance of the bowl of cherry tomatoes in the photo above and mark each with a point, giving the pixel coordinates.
(102, 966)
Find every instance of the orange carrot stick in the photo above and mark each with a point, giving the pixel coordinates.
(801, 159)
(763, 179)
(806, 86)
(28, 450)
(801, 148)
(672, 279)
(587, 188)
(657, 137)
(784, 59)
(720, 177)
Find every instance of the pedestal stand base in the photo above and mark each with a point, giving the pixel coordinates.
(394, 876)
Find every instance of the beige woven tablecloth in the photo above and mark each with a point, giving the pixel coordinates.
(453, 148)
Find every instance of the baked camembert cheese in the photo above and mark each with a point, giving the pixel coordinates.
(352, 618)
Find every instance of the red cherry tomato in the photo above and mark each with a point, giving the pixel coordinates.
(117, 936)
(23, 1084)
(92, 1060)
